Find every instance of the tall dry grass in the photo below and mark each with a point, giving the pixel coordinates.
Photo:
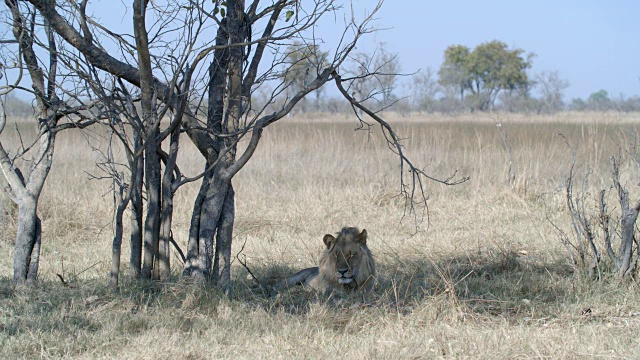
(485, 277)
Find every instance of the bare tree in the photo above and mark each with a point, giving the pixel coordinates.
(373, 77)
(25, 187)
(301, 63)
(593, 228)
(551, 87)
(425, 90)
(624, 261)
(165, 67)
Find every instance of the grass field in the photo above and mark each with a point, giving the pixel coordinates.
(484, 277)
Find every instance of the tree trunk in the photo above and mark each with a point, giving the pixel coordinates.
(167, 207)
(135, 258)
(116, 246)
(26, 192)
(627, 222)
(208, 225)
(152, 221)
(221, 274)
(26, 240)
(230, 125)
(627, 234)
(191, 263)
(124, 197)
(150, 122)
(210, 200)
(32, 275)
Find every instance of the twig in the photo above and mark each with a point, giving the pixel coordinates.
(244, 264)
(175, 245)
(394, 142)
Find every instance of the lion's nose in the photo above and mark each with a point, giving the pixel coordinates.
(343, 272)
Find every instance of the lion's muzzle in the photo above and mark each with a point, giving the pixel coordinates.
(345, 277)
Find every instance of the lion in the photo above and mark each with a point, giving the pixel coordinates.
(346, 265)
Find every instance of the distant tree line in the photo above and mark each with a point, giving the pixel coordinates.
(489, 77)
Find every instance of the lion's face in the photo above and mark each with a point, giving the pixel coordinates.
(347, 258)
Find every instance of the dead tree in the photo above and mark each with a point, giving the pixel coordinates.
(624, 261)
(592, 226)
(25, 187)
(165, 68)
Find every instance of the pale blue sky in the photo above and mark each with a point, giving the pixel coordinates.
(593, 44)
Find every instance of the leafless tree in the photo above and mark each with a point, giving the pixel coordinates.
(425, 90)
(301, 64)
(592, 226)
(551, 87)
(35, 46)
(372, 77)
(171, 65)
(625, 261)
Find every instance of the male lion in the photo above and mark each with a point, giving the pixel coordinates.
(345, 265)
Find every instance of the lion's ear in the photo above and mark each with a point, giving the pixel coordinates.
(329, 240)
(362, 237)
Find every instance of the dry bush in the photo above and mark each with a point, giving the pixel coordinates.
(487, 278)
(603, 236)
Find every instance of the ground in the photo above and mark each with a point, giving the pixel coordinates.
(483, 275)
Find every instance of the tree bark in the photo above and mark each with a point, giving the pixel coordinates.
(210, 200)
(164, 258)
(116, 247)
(221, 274)
(191, 264)
(627, 223)
(152, 220)
(150, 122)
(135, 258)
(209, 218)
(26, 238)
(34, 264)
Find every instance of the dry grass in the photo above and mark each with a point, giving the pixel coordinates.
(486, 279)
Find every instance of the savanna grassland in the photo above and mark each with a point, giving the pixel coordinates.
(484, 277)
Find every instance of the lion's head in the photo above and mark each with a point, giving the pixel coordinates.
(346, 263)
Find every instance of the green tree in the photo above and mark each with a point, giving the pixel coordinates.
(493, 67)
(599, 101)
(486, 71)
(454, 73)
(578, 104)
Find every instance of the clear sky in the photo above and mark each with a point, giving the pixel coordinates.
(593, 44)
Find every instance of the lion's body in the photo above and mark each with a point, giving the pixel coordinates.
(346, 264)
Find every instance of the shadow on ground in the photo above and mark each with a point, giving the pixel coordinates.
(496, 286)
